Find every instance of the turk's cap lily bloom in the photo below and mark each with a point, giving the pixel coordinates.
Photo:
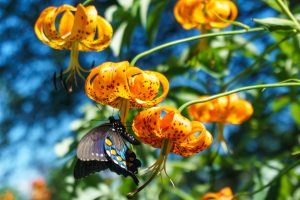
(40, 190)
(7, 195)
(79, 29)
(227, 110)
(157, 124)
(110, 83)
(223, 194)
(205, 14)
(165, 128)
(81, 24)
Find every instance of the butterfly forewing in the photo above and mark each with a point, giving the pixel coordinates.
(91, 146)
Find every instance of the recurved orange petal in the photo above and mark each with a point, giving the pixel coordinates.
(183, 12)
(203, 112)
(38, 27)
(107, 82)
(227, 109)
(144, 86)
(91, 23)
(196, 141)
(174, 126)
(80, 20)
(102, 38)
(221, 9)
(147, 126)
(239, 112)
(66, 23)
(49, 25)
(224, 194)
(139, 103)
(156, 124)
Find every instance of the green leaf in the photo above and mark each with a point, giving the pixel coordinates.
(272, 4)
(276, 24)
(154, 19)
(109, 12)
(126, 4)
(279, 103)
(116, 42)
(285, 188)
(295, 111)
(273, 192)
(144, 6)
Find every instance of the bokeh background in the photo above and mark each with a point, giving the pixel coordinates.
(39, 126)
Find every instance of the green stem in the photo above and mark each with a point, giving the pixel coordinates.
(262, 86)
(145, 53)
(282, 173)
(287, 11)
(165, 150)
(253, 67)
(86, 2)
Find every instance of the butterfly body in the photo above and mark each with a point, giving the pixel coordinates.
(104, 148)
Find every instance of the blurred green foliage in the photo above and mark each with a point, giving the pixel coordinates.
(262, 147)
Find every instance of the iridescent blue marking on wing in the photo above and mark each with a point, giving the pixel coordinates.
(117, 150)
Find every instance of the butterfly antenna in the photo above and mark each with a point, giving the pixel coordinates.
(54, 80)
(62, 81)
(97, 106)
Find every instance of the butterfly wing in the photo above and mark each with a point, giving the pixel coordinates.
(85, 168)
(122, 159)
(91, 146)
(104, 148)
(90, 152)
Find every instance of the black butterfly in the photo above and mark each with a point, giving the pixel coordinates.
(104, 148)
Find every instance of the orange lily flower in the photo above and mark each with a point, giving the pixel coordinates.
(40, 190)
(223, 194)
(122, 86)
(224, 110)
(8, 195)
(228, 110)
(165, 128)
(153, 129)
(205, 14)
(79, 29)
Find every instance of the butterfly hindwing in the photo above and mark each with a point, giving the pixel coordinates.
(118, 152)
(85, 168)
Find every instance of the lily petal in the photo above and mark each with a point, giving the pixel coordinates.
(38, 27)
(66, 24)
(225, 9)
(108, 82)
(174, 126)
(146, 126)
(103, 37)
(194, 143)
(146, 104)
(49, 25)
(80, 20)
